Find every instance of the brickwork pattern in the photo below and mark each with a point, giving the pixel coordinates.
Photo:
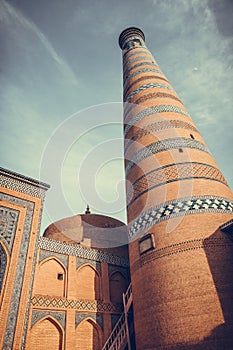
(145, 87)
(138, 58)
(8, 223)
(180, 248)
(82, 252)
(143, 70)
(136, 52)
(147, 77)
(179, 207)
(161, 125)
(31, 282)
(170, 173)
(153, 110)
(161, 146)
(81, 305)
(139, 65)
(190, 267)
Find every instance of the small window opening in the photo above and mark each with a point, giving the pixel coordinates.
(60, 276)
(192, 137)
(146, 243)
(180, 150)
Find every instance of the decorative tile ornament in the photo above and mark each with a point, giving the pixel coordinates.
(154, 127)
(60, 316)
(161, 146)
(96, 264)
(31, 282)
(44, 254)
(129, 44)
(19, 275)
(145, 87)
(127, 63)
(82, 252)
(3, 265)
(8, 224)
(179, 207)
(81, 305)
(173, 172)
(153, 110)
(146, 77)
(139, 65)
(153, 95)
(79, 317)
(130, 107)
(136, 52)
(128, 77)
(20, 183)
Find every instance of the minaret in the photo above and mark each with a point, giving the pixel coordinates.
(181, 263)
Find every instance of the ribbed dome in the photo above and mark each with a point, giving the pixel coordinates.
(98, 231)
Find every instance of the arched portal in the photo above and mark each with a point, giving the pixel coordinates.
(46, 334)
(50, 278)
(118, 285)
(88, 335)
(88, 283)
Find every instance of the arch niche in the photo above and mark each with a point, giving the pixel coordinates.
(118, 285)
(88, 335)
(50, 278)
(46, 334)
(88, 283)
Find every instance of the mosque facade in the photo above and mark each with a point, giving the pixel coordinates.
(164, 280)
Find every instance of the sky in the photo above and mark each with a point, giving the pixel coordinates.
(61, 89)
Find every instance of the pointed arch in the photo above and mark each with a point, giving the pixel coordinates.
(88, 335)
(46, 334)
(88, 283)
(51, 278)
(118, 285)
(4, 261)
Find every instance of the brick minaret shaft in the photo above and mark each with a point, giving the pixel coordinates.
(181, 263)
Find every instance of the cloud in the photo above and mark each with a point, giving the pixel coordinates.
(12, 16)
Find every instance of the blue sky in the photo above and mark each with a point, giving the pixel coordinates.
(61, 89)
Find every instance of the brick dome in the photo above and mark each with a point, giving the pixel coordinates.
(94, 230)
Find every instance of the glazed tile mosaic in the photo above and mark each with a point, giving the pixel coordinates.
(161, 146)
(8, 224)
(179, 207)
(3, 265)
(171, 173)
(128, 77)
(98, 318)
(145, 87)
(146, 77)
(79, 251)
(60, 316)
(81, 305)
(153, 110)
(152, 128)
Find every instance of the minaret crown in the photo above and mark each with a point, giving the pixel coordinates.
(131, 34)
